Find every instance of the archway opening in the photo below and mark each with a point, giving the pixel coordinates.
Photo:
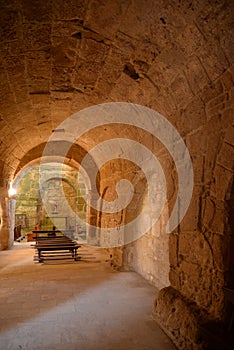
(41, 205)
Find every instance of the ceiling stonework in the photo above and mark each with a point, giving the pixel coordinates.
(58, 57)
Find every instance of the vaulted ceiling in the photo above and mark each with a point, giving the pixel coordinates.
(58, 57)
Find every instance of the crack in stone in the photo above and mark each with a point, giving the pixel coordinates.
(77, 35)
(130, 71)
(39, 93)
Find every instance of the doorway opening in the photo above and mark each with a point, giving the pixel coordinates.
(41, 205)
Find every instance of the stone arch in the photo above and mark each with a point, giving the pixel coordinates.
(69, 206)
(31, 158)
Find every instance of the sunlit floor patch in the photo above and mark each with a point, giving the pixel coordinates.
(75, 306)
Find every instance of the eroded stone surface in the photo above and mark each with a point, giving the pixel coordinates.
(59, 57)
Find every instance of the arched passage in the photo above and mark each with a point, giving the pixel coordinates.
(175, 57)
(33, 157)
(32, 194)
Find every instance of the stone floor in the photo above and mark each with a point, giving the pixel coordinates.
(80, 305)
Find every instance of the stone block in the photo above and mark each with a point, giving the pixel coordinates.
(227, 80)
(37, 36)
(93, 50)
(191, 272)
(227, 43)
(219, 221)
(21, 93)
(196, 75)
(61, 79)
(190, 40)
(190, 221)
(38, 64)
(223, 178)
(213, 59)
(10, 28)
(197, 142)
(165, 106)
(194, 107)
(162, 73)
(174, 277)
(208, 213)
(219, 248)
(62, 30)
(229, 136)
(189, 10)
(64, 55)
(216, 307)
(86, 74)
(227, 117)
(212, 91)
(164, 27)
(226, 156)
(173, 249)
(16, 70)
(214, 142)
(181, 91)
(178, 318)
(196, 283)
(198, 169)
(216, 104)
(37, 11)
(69, 9)
(39, 86)
(105, 14)
(194, 248)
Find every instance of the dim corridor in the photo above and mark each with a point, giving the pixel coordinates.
(82, 305)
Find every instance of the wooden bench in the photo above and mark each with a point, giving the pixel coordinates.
(58, 247)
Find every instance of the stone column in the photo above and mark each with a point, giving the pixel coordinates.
(7, 209)
(92, 231)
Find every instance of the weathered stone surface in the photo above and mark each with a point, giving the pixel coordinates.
(36, 36)
(10, 26)
(196, 108)
(182, 91)
(37, 11)
(178, 319)
(223, 178)
(58, 57)
(196, 75)
(102, 14)
(69, 9)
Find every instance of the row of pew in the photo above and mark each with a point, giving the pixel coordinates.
(52, 245)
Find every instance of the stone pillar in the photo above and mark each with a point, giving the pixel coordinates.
(92, 230)
(7, 208)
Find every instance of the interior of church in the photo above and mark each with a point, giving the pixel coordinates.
(116, 174)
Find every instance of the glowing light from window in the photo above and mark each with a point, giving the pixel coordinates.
(11, 191)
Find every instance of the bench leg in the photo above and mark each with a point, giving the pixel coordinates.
(76, 255)
(72, 252)
(39, 256)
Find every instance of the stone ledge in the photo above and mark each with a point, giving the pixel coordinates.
(186, 325)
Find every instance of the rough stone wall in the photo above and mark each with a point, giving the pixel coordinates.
(175, 57)
(7, 207)
(199, 248)
(197, 264)
(149, 254)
